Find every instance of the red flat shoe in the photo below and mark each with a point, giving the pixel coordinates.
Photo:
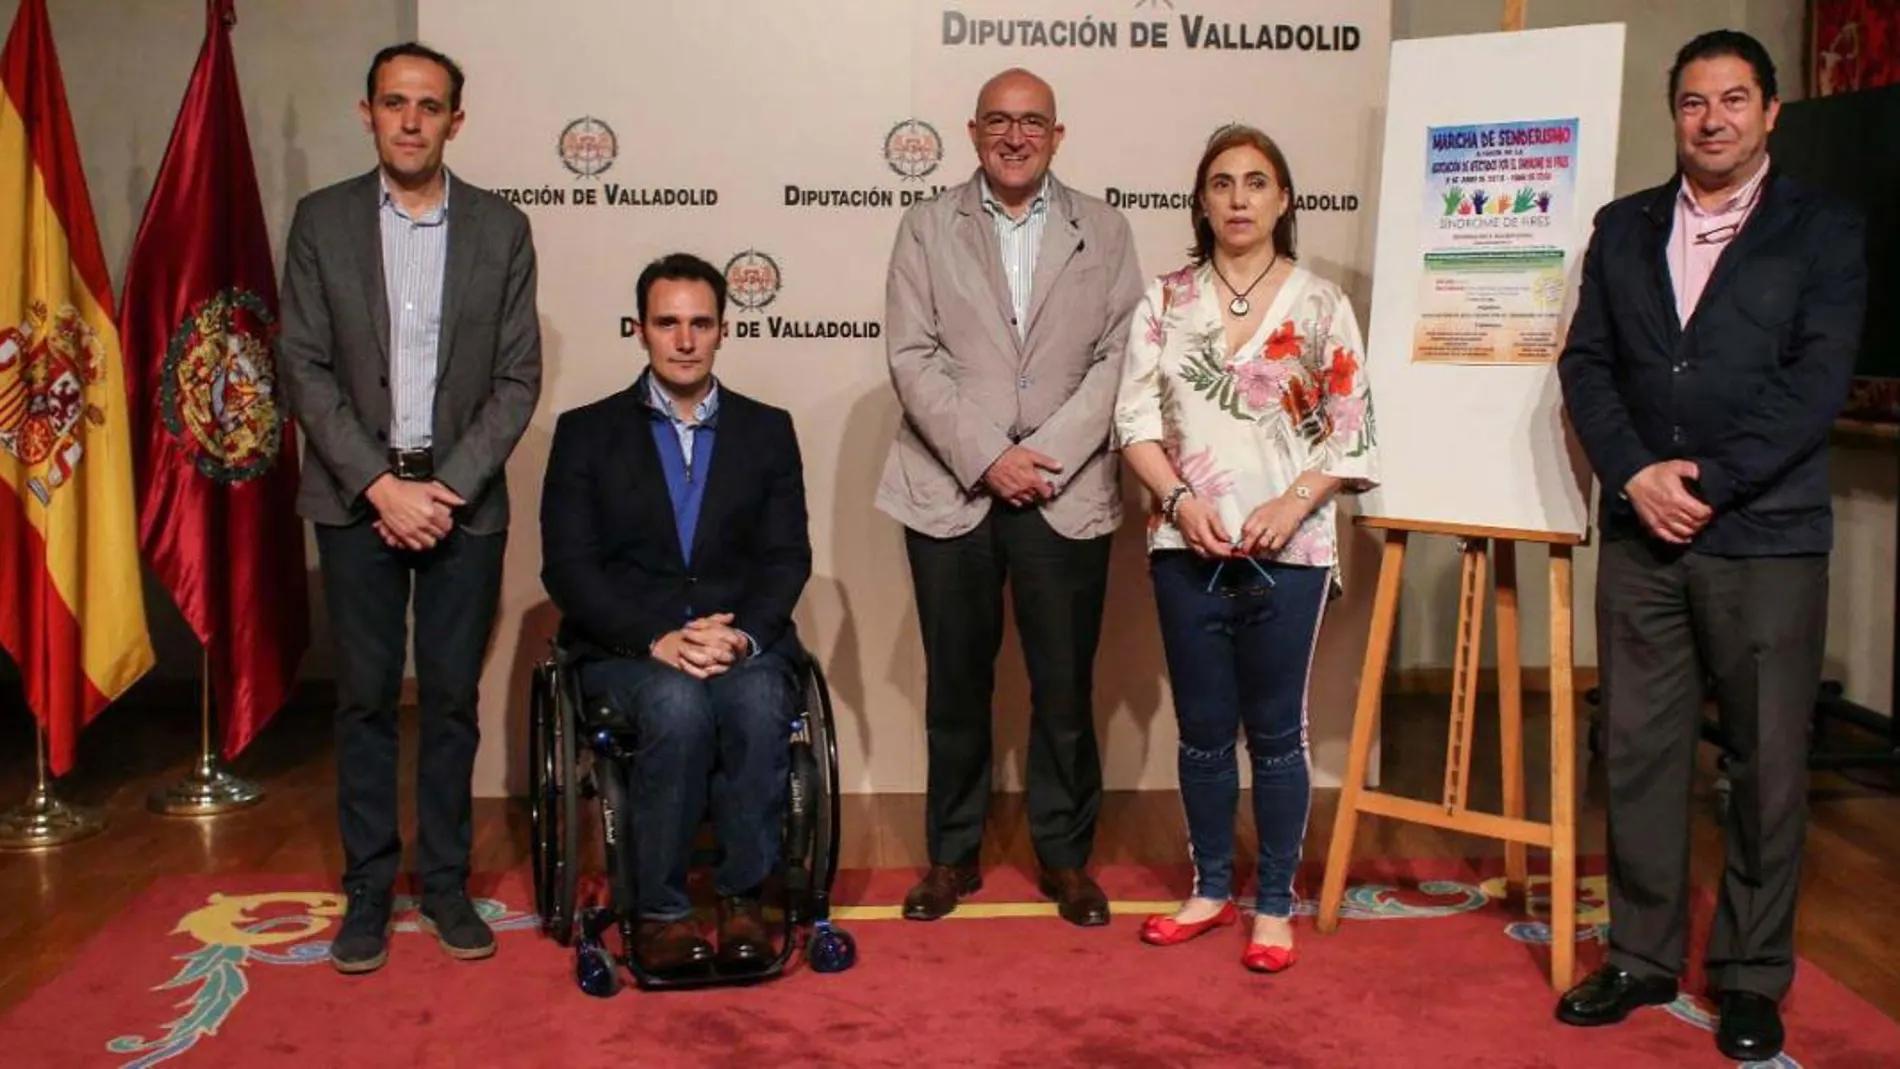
(1164, 931)
(1260, 957)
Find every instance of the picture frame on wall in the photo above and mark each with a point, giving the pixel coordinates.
(1852, 45)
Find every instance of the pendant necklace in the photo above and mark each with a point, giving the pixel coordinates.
(1239, 305)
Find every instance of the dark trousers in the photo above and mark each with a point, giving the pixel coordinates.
(457, 586)
(729, 735)
(1755, 627)
(1239, 646)
(1058, 586)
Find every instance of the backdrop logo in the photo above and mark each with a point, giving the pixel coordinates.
(588, 146)
(752, 280)
(913, 149)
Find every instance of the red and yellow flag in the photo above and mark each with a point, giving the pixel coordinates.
(72, 611)
(217, 461)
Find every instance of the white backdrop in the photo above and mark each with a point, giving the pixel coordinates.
(782, 138)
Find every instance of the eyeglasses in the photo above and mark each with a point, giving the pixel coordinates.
(1034, 127)
(1235, 590)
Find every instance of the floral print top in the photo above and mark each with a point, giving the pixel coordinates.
(1240, 429)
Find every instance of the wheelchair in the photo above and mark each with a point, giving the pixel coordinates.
(575, 758)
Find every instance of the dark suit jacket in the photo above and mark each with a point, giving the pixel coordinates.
(611, 556)
(333, 351)
(1747, 389)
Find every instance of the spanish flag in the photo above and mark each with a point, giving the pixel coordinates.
(72, 609)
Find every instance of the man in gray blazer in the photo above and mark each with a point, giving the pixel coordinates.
(411, 356)
(1009, 301)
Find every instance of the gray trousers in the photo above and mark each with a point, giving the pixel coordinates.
(1753, 627)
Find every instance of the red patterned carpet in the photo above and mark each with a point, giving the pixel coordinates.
(1427, 970)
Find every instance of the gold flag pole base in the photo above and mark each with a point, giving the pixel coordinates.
(44, 821)
(206, 791)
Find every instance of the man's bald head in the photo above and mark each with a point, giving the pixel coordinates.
(1015, 134)
(1011, 79)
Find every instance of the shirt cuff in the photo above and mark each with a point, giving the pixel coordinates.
(753, 641)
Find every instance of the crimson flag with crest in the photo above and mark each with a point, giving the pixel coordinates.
(217, 450)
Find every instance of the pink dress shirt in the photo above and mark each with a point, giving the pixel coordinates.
(1699, 237)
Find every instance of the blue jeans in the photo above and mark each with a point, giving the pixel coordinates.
(730, 735)
(1240, 656)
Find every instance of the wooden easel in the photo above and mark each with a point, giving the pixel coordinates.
(1478, 546)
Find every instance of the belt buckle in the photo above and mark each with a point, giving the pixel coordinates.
(411, 464)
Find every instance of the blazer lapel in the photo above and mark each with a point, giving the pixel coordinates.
(977, 235)
(1661, 212)
(366, 234)
(1061, 240)
(1761, 222)
(464, 241)
(635, 429)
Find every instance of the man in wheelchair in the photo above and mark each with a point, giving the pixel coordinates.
(675, 545)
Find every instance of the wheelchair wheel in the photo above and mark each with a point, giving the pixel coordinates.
(824, 746)
(544, 791)
(830, 949)
(567, 872)
(554, 839)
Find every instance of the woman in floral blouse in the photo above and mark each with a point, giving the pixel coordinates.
(1244, 409)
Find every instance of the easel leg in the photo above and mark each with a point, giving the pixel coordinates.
(1365, 723)
(1563, 773)
(1466, 665)
(1511, 715)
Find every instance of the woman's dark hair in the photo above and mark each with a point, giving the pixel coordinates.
(1235, 135)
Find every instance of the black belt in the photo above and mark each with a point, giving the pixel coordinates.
(412, 464)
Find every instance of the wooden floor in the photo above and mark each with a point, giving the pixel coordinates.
(52, 902)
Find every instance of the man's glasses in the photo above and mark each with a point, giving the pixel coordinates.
(1034, 127)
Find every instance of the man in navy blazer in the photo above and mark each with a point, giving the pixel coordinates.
(1712, 348)
(675, 544)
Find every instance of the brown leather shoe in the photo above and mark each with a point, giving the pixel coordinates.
(670, 947)
(1076, 896)
(744, 942)
(936, 895)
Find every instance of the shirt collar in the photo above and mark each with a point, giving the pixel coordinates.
(429, 218)
(1741, 198)
(661, 403)
(995, 207)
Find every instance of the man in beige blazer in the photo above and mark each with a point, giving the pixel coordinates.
(1009, 301)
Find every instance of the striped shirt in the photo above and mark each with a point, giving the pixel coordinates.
(415, 252)
(1020, 240)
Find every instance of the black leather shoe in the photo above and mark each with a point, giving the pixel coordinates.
(1750, 1029)
(454, 922)
(363, 944)
(1077, 897)
(1610, 994)
(937, 894)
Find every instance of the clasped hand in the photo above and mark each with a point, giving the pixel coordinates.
(1664, 502)
(1017, 476)
(413, 515)
(705, 647)
(1265, 531)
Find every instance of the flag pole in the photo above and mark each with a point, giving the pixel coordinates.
(44, 821)
(209, 788)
